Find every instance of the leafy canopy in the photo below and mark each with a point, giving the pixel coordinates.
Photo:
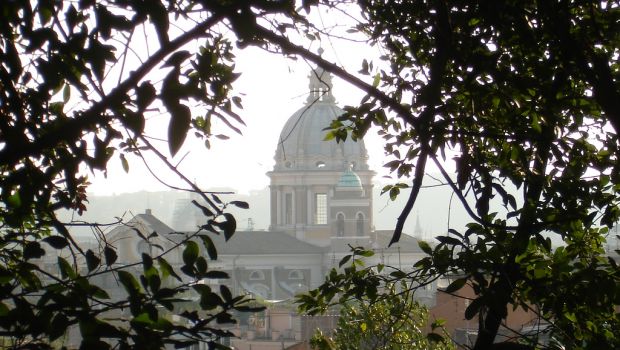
(523, 98)
(79, 81)
(521, 94)
(395, 322)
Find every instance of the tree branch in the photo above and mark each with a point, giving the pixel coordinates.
(88, 120)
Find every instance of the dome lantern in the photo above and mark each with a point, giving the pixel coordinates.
(320, 86)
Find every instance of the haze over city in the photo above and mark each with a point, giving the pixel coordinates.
(272, 88)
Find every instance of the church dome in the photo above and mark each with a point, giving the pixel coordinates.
(301, 145)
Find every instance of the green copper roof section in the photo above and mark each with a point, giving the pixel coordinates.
(349, 179)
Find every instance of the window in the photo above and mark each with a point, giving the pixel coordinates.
(257, 275)
(288, 208)
(320, 164)
(296, 275)
(340, 225)
(360, 224)
(320, 209)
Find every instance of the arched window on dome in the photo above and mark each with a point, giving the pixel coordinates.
(340, 225)
(360, 224)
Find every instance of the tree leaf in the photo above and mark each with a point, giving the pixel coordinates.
(180, 120)
(167, 269)
(190, 253)
(206, 211)
(229, 226)
(65, 268)
(129, 282)
(209, 300)
(4, 310)
(201, 265)
(207, 242)
(473, 308)
(145, 95)
(240, 204)
(177, 59)
(33, 250)
(66, 93)
(92, 261)
(426, 248)
(110, 255)
(344, 260)
(57, 242)
(448, 240)
(435, 337)
(376, 80)
(456, 285)
(124, 163)
(226, 293)
(216, 274)
(98, 293)
(58, 326)
(147, 261)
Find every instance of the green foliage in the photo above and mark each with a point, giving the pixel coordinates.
(521, 97)
(392, 322)
(79, 81)
(340, 288)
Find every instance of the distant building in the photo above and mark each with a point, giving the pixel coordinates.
(320, 190)
(321, 204)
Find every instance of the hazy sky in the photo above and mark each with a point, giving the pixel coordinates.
(272, 88)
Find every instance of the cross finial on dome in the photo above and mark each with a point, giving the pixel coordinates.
(348, 166)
